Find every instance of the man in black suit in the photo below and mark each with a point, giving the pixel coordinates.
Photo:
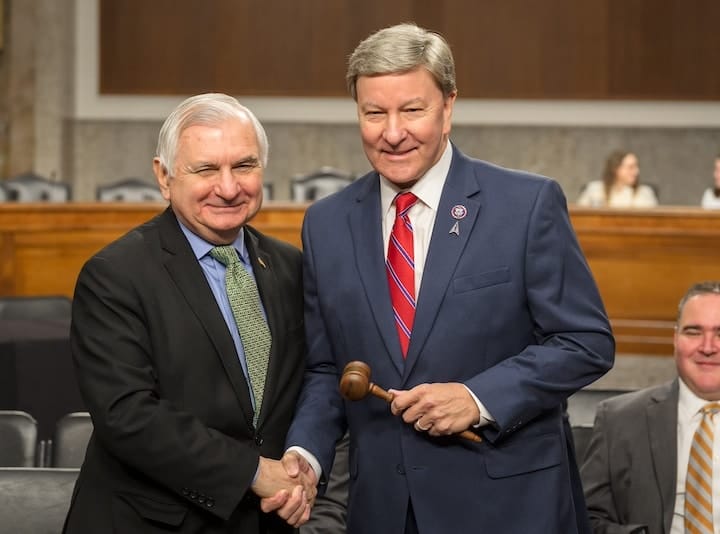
(178, 444)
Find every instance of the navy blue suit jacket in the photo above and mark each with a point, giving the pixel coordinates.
(508, 307)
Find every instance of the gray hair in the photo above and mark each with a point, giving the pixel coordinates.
(209, 109)
(402, 48)
(711, 287)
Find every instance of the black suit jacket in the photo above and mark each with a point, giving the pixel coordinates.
(174, 445)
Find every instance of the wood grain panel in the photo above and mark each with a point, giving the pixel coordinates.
(595, 49)
(664, 49)
(643, 261)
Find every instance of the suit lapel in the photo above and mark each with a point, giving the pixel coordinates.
(185, 270)
(445, 249)
(662, 422)
(365, 222)
(267, 287)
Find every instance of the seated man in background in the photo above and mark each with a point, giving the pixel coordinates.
(643, 469)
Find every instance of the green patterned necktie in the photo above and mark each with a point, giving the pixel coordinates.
(254, 332)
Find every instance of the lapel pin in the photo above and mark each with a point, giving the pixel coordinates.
(458, 211)
(455, 229)
(262, 263)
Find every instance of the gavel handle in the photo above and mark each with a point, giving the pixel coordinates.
(379, 392)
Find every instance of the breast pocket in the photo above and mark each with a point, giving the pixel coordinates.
(463, 284)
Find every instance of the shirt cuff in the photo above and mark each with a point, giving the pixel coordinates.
(310, 459)
(485, 417)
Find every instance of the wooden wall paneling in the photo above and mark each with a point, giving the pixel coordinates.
(663, 49)
(596, 49)
(518, 49)
(643, 260)
(47, 244)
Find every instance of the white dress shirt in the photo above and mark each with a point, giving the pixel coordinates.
(422, 216)
(709, 200)
(689, 418)
(620, 197)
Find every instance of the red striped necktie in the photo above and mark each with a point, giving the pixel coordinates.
(400, 266)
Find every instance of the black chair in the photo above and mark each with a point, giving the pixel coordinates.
(42, 307)
(129, 190)
(18, 439)
(70, 440)
(581, 406)
(318, 184)
(31, 187)
(581, 437)
(35, 500)
(267, 191)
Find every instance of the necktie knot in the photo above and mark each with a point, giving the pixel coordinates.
(225, 254)
(711, 408)
(403, 202)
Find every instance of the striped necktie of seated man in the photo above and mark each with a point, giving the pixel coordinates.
(400, 266)
(699, 479)
(255, 334)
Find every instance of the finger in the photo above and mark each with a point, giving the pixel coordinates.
(422, 427)
(269, 504)
(404, 403)
(296, 506)
(398, 403)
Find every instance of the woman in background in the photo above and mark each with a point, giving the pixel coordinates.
(711, 196)
(620, 187)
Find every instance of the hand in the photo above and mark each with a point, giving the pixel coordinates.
(287, 486)
(439, 409)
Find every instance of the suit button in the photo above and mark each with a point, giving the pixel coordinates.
(201, 498)
(210, 502)
(193, 495)
(259, 440)
(400, 469)
(185, 492)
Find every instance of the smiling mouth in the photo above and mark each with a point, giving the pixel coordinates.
(397, 154)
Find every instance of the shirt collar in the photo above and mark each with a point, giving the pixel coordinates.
(202, 248)
(689, 404)
(427, 189)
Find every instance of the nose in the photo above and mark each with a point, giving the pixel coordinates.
(395, 131)
(226, 185)
(710, 343)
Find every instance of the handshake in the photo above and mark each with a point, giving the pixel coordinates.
(287, 486)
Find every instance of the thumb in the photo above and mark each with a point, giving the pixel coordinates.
(291, 463)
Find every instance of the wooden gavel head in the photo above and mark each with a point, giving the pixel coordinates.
(355, 380)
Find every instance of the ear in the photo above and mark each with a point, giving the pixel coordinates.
(448, 104)
(163, 178)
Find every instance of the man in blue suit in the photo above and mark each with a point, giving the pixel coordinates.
(498, 322)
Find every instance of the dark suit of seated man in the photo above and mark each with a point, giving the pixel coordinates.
(634, 472)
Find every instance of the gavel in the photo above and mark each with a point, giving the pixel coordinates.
(355, 385)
